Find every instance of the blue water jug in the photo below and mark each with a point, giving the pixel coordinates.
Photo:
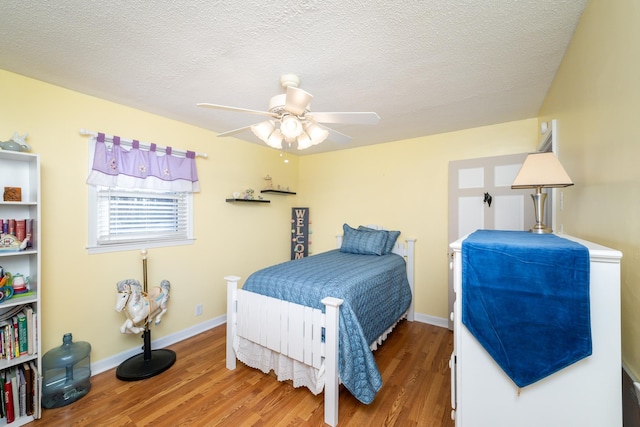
(66, 373)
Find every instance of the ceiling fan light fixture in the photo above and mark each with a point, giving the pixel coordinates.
(290, 127)
(316, 133)
(275, 139)
(304, 141)
(264, 129)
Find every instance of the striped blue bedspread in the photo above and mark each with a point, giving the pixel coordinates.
(376, 293)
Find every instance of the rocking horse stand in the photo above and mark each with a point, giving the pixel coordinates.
(150, 362)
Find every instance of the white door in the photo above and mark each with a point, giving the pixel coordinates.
(480, 197)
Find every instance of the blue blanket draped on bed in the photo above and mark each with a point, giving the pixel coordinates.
(525, 297)
(375, 291)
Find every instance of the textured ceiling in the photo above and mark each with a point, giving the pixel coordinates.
(425, 66)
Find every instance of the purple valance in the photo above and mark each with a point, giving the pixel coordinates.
(142, 169)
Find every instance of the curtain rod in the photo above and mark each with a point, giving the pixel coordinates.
(146, 145)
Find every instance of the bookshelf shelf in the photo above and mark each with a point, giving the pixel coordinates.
(19, 314)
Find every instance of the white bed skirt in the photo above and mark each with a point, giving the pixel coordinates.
(285, 368)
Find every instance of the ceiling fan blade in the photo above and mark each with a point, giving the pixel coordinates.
(336, 136)
(356, 118)
(297, 100)
(234, 131)
(240, 110)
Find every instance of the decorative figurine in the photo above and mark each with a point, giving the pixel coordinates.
(16, 143)
(9, 243)
(268, 183)
(141, 308)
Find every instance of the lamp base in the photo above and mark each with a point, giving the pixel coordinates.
(541, 229)
(538, 203)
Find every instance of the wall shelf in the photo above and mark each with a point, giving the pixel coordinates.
(248, 201)
(278, 192)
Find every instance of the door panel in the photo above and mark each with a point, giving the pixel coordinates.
(469, 180)
(470, 214)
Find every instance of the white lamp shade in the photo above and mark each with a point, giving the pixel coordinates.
(304, 141)
(263, 130)
(275, 140)
(316, 133)
(541, 170)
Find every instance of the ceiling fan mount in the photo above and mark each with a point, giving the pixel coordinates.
(291, 120)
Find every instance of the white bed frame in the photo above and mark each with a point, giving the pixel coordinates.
(295, 330)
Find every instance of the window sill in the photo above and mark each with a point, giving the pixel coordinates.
(137, 246)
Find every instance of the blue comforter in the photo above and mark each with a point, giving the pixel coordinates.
(376, 294)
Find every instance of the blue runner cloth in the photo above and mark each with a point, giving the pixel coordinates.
(525, 297)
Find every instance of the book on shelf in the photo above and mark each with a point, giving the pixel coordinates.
(29, 383)
(16, 337)
(23, 344)
(37, 390)
(3, 406)
(15, 391)
(29, 231)
(22, 391)
(8, 398)
(28, 312)
(21, 229)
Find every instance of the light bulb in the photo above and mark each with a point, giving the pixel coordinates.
(290, 127)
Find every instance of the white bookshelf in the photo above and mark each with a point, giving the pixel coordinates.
(23, 170)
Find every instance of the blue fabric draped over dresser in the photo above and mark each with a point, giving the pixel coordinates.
(525, 298)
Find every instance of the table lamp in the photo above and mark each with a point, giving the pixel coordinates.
(541, 170)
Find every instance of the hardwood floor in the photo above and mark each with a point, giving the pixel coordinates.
(198, 390)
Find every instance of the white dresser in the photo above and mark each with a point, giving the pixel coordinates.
(585, 394)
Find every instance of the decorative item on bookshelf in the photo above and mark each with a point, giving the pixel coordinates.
(16, 143)
(15, 235)
(12, 194)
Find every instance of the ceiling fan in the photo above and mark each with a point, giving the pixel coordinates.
(291, 120)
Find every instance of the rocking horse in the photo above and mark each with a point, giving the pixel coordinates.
(142, 308)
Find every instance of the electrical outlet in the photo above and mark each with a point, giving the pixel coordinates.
(198, 309)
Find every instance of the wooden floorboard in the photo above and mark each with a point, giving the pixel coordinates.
(198, 390)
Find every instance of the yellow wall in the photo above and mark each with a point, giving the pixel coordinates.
(596, 99)
(403, 186)
(78, 290)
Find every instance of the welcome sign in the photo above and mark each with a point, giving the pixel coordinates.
(299, 233)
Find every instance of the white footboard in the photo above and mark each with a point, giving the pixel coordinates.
(290, 329)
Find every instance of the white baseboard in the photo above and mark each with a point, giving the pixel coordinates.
(115, 360)
(432, 320)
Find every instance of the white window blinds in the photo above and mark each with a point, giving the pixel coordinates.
(131, 216)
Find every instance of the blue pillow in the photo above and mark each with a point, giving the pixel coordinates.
(362, 242)
(392, 236)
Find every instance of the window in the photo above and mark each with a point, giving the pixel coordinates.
(126, 219)
(146, 203)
